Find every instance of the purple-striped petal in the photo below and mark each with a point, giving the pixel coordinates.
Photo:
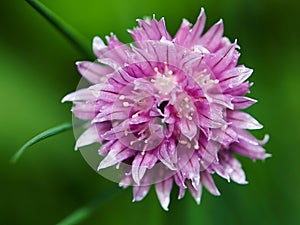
(211, 39)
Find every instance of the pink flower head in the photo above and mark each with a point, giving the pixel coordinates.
(167, 110)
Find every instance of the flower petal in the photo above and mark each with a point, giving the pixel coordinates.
(88, 137)
(223, 58)
(252, 151)
(208, 182)
(182, 32)
(242, 102)
(234, 77)
(80, 95)
(229, 167)
(194, 34)
(114, 156)
(188, 128)
(163, 190)
(141, 162)
(93, 72)
(139, 192)
(167, 154)
(196, 193)
(243, 120)
(212, 38)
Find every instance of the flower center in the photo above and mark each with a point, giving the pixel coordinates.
(164, 82)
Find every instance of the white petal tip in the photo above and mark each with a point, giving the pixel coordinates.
(166, 208)
(68, 98)
(267, 155)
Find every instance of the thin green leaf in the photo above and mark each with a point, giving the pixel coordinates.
(76, 38)
(82, 213)
(48, 133)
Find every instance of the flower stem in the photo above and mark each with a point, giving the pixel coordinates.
(76, 38)
(82, 213)
(47, 133)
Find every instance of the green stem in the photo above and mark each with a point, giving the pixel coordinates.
(47, 133)
(76, 38)
(82, 213)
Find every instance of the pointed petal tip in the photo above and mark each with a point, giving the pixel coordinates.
(243, 182)
(218, 193)
(68, 98)
(103, 164)
(267, 155)
(265, 139)
(165, 205)
(98, 44)
(80, 63)
(202, 11)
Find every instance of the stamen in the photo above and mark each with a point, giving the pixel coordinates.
(183, 142)
(189, 145)
(135, 115)
(122, 97)
(126, 132)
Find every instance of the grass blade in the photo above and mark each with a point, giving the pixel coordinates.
(82, 213)
(76, 38)
(47, 133)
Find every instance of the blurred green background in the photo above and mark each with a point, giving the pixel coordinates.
(51, 180)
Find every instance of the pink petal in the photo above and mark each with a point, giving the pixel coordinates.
(188, 128)
(223, 58)
(196, 193)
(234, 77)
(208, 182)
(196, 31)
(225, 137)
(93, 72)
(163, 190)
(242, 102)
(153, 29)
(167, 154)
(230, 167)
(241, 89)
(243, 120)
(139, 192)
(80, 95)
(252, 151)
(212, 38)
(191, 170)
(84, 111)
(98, 46)
(182, 32)
(88, 137)
(114, 156)
(141, 162)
